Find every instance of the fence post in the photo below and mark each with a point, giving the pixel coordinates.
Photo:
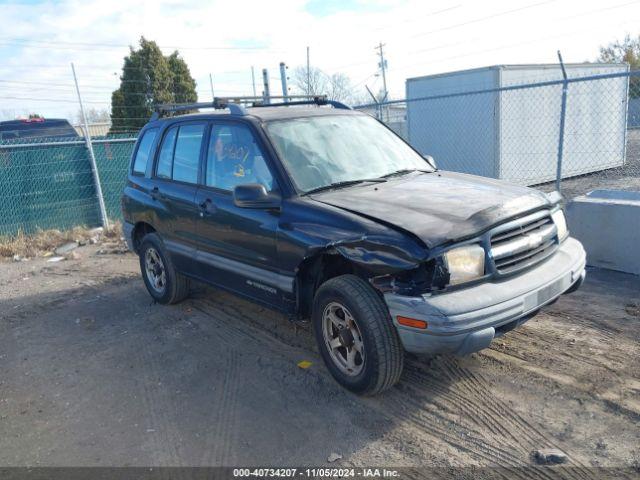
(92, 157)
(266, 94)
(378, 106)
(563, 112)
(283, 80)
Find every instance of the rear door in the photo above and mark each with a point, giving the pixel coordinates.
(174, 189)
(237, 246)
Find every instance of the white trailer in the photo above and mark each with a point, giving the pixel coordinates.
(513, 134)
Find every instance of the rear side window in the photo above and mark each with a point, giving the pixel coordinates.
(144, 150)
(165, 160)
(180, 153)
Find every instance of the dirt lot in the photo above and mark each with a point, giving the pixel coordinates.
(92, 373)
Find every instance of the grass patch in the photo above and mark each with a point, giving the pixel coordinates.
(43, 241)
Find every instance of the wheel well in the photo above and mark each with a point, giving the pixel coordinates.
(313, 272)
(139, 231)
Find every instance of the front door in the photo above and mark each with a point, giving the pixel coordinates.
(237, 246)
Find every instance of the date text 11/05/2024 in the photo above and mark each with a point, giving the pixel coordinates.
(316, 472)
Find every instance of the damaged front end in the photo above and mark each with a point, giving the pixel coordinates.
(429, 275)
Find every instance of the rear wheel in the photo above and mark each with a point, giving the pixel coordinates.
(355, 335)
(163, 282)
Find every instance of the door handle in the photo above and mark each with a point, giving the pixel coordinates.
(155, 193)
(207, 207)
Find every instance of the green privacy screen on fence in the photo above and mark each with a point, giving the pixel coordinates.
(112, 158)
(48, 183)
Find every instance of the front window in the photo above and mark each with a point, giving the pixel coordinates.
(235, 158)
(320, 151)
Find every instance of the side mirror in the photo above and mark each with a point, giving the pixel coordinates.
(430, 161)
(254, 195)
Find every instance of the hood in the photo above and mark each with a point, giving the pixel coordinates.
(437, 207)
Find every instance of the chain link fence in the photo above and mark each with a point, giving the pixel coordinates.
(48, 183)
(527, 134)
(524, 134)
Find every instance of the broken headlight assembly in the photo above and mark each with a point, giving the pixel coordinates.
(464, 264)
(454, 267)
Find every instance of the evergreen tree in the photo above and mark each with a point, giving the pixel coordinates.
(149, 78)
(184, 86)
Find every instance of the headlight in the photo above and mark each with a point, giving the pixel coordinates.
(465, 263)
(561, 224)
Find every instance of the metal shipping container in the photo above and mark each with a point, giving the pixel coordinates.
(513, 134)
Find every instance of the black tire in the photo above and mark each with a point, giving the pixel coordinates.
(383, 352)
(176, 286)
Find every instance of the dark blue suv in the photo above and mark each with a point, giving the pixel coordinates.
(324, 213)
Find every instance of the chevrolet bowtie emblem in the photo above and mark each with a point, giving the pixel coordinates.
(534, 240)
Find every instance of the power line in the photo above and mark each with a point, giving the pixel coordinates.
(584, 14)
(483, 19)
(455, 44)
(75, 45)
(506, 47)
(477, 20)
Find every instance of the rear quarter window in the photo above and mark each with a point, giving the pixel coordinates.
(144, 151)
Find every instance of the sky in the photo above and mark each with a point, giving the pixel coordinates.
(224, 39)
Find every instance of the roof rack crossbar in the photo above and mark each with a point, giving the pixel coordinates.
(322, 100)
(235, 104)
(218, 104)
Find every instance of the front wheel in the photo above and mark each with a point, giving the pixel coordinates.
(162, 280)
(355, 335)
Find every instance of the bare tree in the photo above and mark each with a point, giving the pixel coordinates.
(337, 86)
(94, 115)
(315, 83)
(626, 51)
(340, 88)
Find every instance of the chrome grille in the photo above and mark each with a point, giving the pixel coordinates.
(523, 242)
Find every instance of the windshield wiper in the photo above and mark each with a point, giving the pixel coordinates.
(345, 183)
(404, 171)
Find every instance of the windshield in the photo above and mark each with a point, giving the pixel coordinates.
(320, 151)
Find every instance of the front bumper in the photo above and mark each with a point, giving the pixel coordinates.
(467, 320)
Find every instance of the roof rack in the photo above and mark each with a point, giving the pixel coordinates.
(312, 100)
(235, 105)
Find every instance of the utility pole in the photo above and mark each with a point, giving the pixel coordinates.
(308, 74)
(92, 157)
(265, 81)
(211, 85)
(253, 80)
(283, 80)
(383, 67)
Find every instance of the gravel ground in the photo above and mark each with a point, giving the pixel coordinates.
(623, 178)
(92, 373)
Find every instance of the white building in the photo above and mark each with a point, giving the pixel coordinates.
(513, 134)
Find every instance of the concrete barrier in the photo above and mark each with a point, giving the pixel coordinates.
(607, 222)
